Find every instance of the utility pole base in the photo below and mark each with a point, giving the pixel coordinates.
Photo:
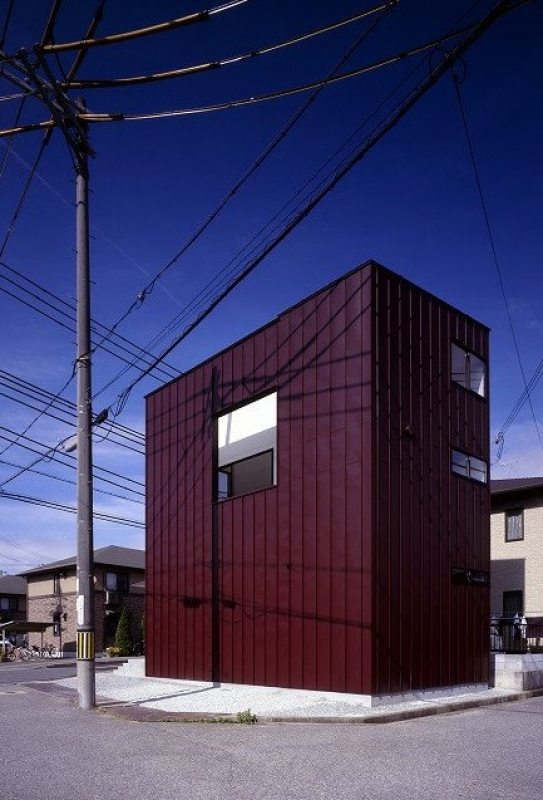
(86, 684)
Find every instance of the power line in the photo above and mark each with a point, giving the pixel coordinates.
(19, 561)
(447, 61)
(268, 150)
(46, 412)
(32, 390)
(9, 145)
(123, 344)
(108, 117)
(182, 72)
(456, 83)
(278, 94)
(24, 549)
(22, 198)
(72, 483)
(43, 503)
(126, 36)
(229, 269)
(53, 454)
(50, 24)
(7, 20)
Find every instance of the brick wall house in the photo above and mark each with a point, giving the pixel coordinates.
(118, 578)
(516, 547)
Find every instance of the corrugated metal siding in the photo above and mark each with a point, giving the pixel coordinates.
(338, 578)
(294, 560)
(428, 631)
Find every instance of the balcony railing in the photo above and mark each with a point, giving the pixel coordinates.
(516, 635)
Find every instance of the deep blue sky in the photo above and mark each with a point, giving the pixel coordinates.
(412, 204)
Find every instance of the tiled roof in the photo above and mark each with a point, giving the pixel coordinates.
(12, 584)
(515, 485)
(112, 555)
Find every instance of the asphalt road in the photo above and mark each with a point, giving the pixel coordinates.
(49, 748)
(16, 671)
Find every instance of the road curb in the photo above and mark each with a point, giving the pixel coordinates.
(136, 713)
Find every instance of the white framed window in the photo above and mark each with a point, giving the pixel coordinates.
(247, 445)
(469, 466)
(468, 370)
(514, 525)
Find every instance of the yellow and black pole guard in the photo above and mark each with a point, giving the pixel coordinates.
(85, 645)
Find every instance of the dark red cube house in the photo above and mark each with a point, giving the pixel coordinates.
(317, 499)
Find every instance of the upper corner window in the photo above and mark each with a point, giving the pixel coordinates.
(468, 370)
(247, 445)
(514, 525)
(116, 581)
(469, 466)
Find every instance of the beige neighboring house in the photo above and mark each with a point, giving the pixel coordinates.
(119, 574)
(516, 548)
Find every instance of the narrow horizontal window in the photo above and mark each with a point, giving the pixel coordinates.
(247, 443)
(469, 466)
(468, 370)
(514, 525)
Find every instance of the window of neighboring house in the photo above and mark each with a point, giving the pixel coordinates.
(247, 445)
(9, 603)
(469, 466)
(514, 525)
(116, 581)
(468, 370)
(56, 584)
(513, 603)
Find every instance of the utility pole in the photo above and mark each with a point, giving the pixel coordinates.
(85, 555)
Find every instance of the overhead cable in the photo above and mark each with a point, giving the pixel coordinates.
(99, 118)
(121, 342)
(247, 174)
(107, 117)
(16, 383)
(56, 506)
(456, 83)
(50, 24)
(22, 198)
(447, 61)
(52, 477)
(7, 20)
(181, 72)
(23, 548)
(51, 415)
(55, 454)
(126, 36)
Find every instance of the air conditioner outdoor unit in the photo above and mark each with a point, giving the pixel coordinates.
(113, 599)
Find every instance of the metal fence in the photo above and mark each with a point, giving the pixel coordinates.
(516, 635)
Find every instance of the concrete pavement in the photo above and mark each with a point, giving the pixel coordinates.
(49, 748)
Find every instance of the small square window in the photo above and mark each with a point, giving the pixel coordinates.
(9, 603)
(116, 582)
(514, 525)
(468, 370)
(469, 466)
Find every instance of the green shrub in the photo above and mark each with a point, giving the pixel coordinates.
(123, 636)
(246, 717)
